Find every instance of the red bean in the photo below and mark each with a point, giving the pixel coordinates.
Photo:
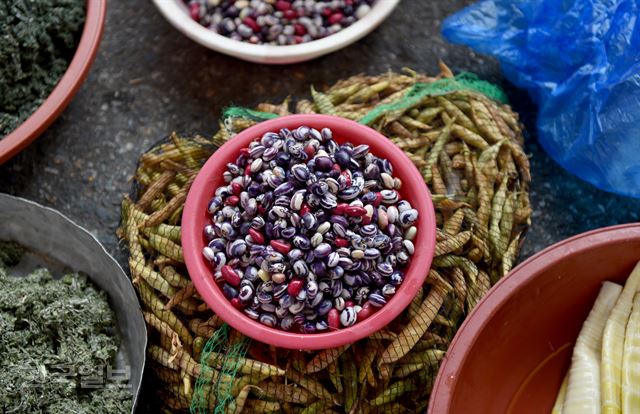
(355, 211)
(236, 188)
(194, 11)
(280, 246)
(235, 302)
(304, 209)
(295, 286)
(250, 21)
(256, 236)
(283, 5)
(340, 208)
(300, 30)
(232, 200)
(366, 311)
(333, 319)
(340, 242)
(336, 18)
(310, 150)
(290, 14)
(230, 275)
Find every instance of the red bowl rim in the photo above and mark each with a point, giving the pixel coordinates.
(500, 293)
(193, 239)
(66, 88)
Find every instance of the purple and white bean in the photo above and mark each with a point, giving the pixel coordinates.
(308, 225)
(278, 22)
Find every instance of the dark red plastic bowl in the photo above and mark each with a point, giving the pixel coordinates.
(66, 88)
(513, 351)
(195, 217)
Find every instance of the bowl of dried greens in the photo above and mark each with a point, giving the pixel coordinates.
(73, 335)
(46, 50)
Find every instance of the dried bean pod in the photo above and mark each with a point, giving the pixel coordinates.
(412, 333)
(244, 366)
(316, 407)
(470, 269)
(469, 137)
(477, 290)
(174, 278)
(485, 122)
(443, 138)
(322, 102)
(455, 113)
(285, 393)
(305, 106)
(414, 306)
(181, 296)
(152, 191)
(323, 358)
(262, 406)
(176, 203)
(166, 247)
(149, 298)
(372, 349)
(510, 255)
(393, 392)
(453, 225)
(459, 284)
(311, 384)
(365, 94)
(497, 209)
(437, 184)
(452, 243)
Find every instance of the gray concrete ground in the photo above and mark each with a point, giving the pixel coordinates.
(149, 80)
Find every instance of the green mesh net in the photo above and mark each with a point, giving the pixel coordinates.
(215, 386)
(246, 113)
(467, 146)
(464, 81)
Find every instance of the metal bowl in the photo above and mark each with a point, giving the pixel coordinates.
(62, 246)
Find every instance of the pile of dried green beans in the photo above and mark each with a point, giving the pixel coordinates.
(469, 149)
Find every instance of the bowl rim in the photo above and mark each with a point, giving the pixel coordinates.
(174, 12)
(501, 292)
(201, 275)
(66, 87)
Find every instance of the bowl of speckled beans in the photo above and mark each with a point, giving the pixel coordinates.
(276, 31)
(308, 231)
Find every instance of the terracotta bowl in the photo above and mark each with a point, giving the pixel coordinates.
(66, 88)
(195, 217)
(513, 351)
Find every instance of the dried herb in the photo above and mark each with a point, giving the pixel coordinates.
(58, 345)
(37, 42)
(10, 253)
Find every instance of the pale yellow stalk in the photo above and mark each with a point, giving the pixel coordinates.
(559, 404)
(631, 362)
(613, 345)
(583, 389)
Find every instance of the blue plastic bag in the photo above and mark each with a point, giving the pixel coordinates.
(580, 62)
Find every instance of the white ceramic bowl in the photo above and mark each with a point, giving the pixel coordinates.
(178, 15)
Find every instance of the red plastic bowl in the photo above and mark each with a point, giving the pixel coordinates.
(195, 217)
(513, 351)
(68, 85)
